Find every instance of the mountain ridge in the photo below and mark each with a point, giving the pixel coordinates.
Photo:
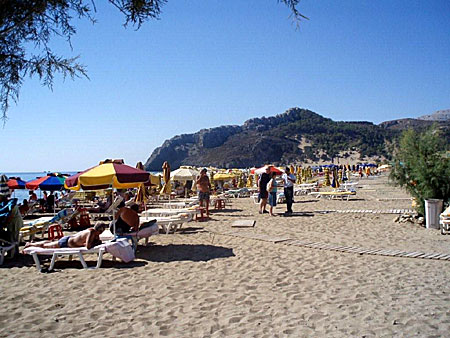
(297, 135)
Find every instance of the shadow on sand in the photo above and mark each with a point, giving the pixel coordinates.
(22, 261)
(298, 214)
(183, 252)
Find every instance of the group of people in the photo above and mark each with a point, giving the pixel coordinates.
(268, 188)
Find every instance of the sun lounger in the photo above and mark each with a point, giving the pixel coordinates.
(134, 237)
(33, 227)
(60, 252)
(337, 194)
(162, 212)
(167, 224)
(304, 188)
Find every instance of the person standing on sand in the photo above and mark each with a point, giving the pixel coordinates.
(204, 189)
(262, 188)
(88, 238)
(272, 190)
(289, 180)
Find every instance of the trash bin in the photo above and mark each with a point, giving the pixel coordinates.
(433, 207)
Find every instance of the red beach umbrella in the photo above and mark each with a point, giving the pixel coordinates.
(16, 183)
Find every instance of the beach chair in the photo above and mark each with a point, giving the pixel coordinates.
(10, 223)
(66, 200)
(56, 253)
(31, 228)
(170, 223)
(337, 194)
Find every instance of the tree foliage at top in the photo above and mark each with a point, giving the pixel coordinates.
(27, 27)
(422, 166)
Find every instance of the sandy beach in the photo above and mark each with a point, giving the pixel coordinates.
(204, 281)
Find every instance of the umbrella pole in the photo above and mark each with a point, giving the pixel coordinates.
(113, 214)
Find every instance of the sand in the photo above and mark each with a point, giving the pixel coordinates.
(201, 283)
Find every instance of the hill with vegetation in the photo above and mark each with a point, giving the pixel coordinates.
(298, 135)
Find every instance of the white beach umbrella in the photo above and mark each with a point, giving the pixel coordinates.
(184, 174)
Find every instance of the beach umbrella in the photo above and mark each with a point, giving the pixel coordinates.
(292, 169)
(167, 188)
(249, 181)
(184, 173)
(50, 182)
(272, 169)
(4, 189)
(326, 182)
(107, 174)
(241, 183)
(335, 182)
(16, 183)
(142, 193)
(223, 176)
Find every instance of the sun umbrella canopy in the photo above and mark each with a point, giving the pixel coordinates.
(224, 176)
(50, 182)
(109, 173)
(16, 183)
(184, 174)
(272, 169)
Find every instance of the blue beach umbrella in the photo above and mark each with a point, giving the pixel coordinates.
(50, 182)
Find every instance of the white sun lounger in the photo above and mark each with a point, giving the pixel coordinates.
(168, 224)
(145, 233)
(60, 252)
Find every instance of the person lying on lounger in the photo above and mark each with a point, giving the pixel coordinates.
(87, 238)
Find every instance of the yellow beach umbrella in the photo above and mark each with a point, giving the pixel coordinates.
(249, 181)
(109, 173)
(223, 176)
(142, 193)
(167, 188)
(327, 182)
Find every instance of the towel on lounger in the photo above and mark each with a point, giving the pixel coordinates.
(121, 249)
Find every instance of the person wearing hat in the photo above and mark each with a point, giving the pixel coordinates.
(204, 189)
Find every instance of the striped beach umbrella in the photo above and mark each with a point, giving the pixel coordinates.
(50, 182)
(4, 189)
(16, 183)
(109, 173)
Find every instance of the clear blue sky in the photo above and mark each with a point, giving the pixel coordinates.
(211, 63)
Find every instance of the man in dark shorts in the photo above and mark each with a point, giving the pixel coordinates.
(204, 189)
(88, 238)
(126, 219)
(262, 187)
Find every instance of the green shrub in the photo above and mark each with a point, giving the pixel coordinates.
(422, 167)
